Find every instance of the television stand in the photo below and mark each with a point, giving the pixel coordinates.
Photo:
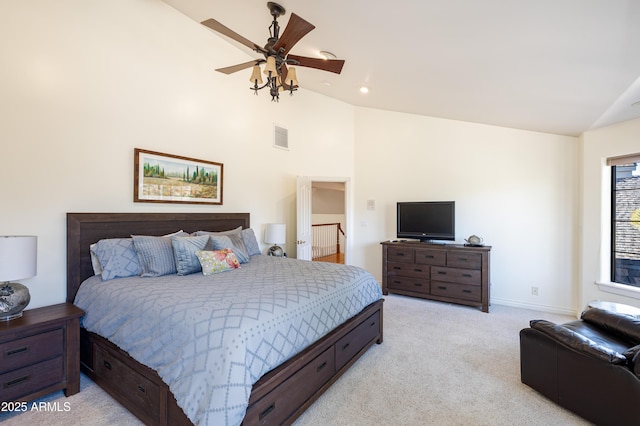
(451, 273)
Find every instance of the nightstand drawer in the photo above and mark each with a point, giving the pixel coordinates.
(21, 382)
(30, 350)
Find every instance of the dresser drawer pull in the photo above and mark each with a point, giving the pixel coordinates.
(16, 381)
(418, 284)
(441, 287)
(417, 270)
(107, 365)
(466, 291)
(345, 346)
(397, 267)
(462, 259)
(141, 388)
(467, 275)
(399, 254)
(397, 282)
(17, 351)
(267, 411)
(321, 366)
(372, 324)
(442, 273)
(429, 256)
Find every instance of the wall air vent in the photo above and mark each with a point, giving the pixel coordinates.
(280, 137)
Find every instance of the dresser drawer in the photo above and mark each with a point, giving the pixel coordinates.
(293, 392)
(431, 257)
(395, 269)
(119, 377)
(461, 276)
(457, 291)
(25, 380)
(398, 254)
(464, 260)
(408, 284)
(30, 350)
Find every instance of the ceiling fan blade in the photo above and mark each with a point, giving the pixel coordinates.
(331, 65)
(217, 26)
(295, 30)
(238, 67)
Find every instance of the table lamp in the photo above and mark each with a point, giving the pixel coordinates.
(18, 260)
(276, 233)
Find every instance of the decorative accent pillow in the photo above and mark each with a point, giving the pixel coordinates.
(231, 241)
(155, 255)
(95, 263)
(184, 252)
(250, 242)
(217, 261)
(117, 258)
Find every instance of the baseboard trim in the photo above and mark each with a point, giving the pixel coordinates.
(534, 307)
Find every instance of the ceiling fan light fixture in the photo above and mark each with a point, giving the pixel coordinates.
(364, 89)
(292, 77)
(270, 69)
(256, 75)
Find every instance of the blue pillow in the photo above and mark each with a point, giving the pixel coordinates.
(234, 242)
(117, 257)
(250, 242)
(155, 255)
(184, 252)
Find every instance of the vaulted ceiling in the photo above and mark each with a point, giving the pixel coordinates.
(553, 66)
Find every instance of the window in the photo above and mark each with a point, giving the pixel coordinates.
(625, 220)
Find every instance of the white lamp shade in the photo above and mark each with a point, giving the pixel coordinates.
(276, 233)
(18, 257)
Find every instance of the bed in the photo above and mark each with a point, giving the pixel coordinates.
(278, 396)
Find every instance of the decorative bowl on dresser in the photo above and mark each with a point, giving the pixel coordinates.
(40, 353)
(446, 272)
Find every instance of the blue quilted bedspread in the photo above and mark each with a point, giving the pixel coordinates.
(211, 338)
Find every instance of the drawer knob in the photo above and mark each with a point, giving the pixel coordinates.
(321, 366)
(107, 365)
(466, 275)
(441, 287)
(466, 291)
(399, 254)
(17, 351)
(345, 346)
(442, 273)
(417, 270)
(17, 381)
(418, 284)
(397, 267)
(267, 411)
(141, 388)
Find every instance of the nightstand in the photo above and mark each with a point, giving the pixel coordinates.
(40, 353)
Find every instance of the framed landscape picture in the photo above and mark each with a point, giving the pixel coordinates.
(166, 178)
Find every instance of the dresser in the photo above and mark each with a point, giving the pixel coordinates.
(446, 272)
(40, 353)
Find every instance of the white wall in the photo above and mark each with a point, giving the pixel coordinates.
(517, 189)
(84, 82)
(595, 235)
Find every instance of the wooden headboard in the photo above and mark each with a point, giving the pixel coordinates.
(84, 229)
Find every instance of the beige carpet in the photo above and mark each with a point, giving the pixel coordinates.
(440, 364)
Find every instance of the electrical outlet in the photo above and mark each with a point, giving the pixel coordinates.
(534, 291)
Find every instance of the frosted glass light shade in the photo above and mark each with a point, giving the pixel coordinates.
(276, 233)
(256, 75)
(270, 67)
(292, 77)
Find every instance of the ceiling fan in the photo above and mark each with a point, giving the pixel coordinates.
(279, 72)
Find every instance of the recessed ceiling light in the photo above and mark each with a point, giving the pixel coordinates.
(327, 55)
(364, 89)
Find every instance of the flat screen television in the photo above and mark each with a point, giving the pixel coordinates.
(427, 220)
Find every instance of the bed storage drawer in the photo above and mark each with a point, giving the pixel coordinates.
(20, 382)
(357, 339)
(142, 393)
(293, 392)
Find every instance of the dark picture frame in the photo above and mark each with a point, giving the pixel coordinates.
(168, 178)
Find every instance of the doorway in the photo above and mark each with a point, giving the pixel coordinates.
(323, 202)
